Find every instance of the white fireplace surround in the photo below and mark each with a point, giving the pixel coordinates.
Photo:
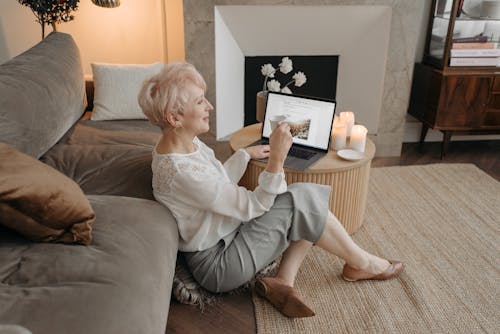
(358, 34)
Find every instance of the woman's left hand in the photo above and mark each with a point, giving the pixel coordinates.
(258, 151)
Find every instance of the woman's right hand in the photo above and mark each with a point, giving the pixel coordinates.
(280, 142)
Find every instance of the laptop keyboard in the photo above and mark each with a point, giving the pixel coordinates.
(302, 154)
(294, 151)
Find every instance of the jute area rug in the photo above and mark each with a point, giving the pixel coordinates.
(443, 222)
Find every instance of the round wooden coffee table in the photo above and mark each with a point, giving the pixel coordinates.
(348, 179)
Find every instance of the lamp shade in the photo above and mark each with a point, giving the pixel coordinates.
(106, 3)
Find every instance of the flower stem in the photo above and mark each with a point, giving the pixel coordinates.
(265, 82)
(288, 83)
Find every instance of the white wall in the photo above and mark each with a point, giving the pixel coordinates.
(230, 65)
(131, 33)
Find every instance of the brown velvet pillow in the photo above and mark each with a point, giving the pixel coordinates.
(41, 203)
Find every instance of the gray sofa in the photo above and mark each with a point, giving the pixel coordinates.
(122, 282)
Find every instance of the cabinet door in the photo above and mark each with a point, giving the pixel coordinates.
(492, 117)
(463, 101)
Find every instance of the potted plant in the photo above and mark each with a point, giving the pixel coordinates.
(51, 11)
(268, 71)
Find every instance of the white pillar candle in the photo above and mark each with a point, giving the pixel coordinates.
(347, 117)
(358, 138)
(336, 120)
(339, 136)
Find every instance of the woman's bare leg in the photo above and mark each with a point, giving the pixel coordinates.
(336, 241)
(278, 290)
(291, 260)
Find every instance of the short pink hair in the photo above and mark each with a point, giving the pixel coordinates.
(165, 91)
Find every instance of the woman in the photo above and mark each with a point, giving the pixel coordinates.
(228, 233)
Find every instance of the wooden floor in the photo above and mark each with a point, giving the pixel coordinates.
(484, 154)
(235, 314)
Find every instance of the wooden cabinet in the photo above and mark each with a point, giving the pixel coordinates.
(456, 99)
(492, 114)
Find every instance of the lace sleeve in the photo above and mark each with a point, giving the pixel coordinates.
(164, 171)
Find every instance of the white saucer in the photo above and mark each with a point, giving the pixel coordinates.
(350, 155)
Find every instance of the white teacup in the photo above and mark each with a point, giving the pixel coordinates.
(275, 120)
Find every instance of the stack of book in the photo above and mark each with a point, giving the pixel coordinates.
(474, 51)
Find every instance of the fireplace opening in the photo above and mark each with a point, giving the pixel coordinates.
(320, 71)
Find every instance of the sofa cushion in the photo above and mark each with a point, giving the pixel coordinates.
(42, 94)
(108, 158)
(116, 88)
(13, 329)
(119, 284)
(41, 203)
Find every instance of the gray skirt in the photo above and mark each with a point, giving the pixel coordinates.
(298, 214)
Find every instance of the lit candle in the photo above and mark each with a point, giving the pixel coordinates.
(336, 119)
(358, 138)
(347, 117)
(339, 135)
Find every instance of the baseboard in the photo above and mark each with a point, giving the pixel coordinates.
(413, 128)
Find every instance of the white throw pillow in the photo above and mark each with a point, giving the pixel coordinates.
(116, 87)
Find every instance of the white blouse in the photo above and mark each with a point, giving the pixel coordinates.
(204, 197)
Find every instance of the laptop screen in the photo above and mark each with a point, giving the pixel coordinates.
(310, 118)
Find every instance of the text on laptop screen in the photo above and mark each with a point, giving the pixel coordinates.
(310, 119)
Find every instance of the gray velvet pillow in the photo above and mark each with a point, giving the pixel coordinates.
(42, 94)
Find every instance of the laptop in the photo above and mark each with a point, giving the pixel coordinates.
(310, 120)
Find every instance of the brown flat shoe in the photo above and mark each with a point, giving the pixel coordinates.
(350, 274)
(283, 298)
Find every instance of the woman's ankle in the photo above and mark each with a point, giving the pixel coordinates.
(283, 280)
(361, 262)
(375, 265)
(370, 263)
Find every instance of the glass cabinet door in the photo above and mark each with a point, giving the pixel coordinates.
(441, 18)
(460, 21)
(477, 18)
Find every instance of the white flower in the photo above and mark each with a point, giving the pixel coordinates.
(273, 86)
(268, 70)
(286, 65)
(300, 78)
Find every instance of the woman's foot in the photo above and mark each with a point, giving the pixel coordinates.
(283, 297)
(352, 274)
